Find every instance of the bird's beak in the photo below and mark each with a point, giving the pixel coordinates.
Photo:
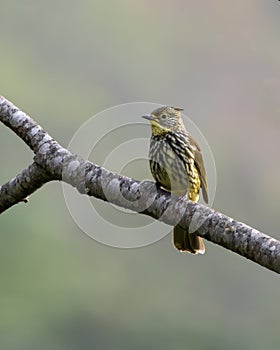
(148, 117)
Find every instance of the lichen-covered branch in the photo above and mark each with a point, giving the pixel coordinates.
(20, 187)
(53, 162)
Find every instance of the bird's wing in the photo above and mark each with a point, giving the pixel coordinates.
(198, 160)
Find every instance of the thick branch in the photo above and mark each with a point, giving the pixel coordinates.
(53, 162)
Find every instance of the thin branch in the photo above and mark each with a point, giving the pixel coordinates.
(20, 187)
(53, 162)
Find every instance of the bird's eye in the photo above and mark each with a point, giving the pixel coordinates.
(164, 116)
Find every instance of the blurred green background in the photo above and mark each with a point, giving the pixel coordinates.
(62, 62)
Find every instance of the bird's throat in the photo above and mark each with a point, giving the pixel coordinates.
(157, 129)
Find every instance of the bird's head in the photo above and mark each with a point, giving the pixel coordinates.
(165, 119)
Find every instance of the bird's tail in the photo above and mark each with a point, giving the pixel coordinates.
(185, 241)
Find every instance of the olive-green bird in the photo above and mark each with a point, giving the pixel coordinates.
(176, 164)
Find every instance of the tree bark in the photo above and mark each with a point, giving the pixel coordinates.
(53, 162)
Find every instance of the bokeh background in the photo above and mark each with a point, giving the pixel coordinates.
(64, 61)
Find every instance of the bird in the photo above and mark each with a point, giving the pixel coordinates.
(177, 166)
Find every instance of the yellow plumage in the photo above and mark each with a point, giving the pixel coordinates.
(176, 164)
